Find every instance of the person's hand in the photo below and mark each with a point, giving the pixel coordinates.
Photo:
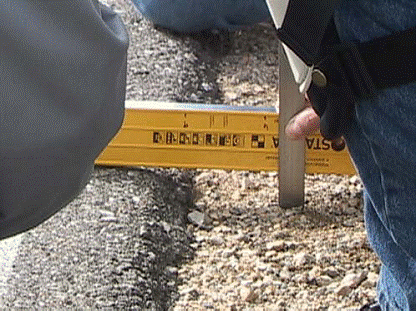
(303, 124)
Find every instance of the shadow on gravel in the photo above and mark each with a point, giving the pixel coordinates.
(118, 246)
(161, 242)
(337, 210)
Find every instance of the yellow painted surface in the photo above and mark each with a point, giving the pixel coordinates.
(211, 136)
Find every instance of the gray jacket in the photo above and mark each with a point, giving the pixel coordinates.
(62, 91)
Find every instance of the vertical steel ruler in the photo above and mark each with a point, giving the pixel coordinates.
(291, 153)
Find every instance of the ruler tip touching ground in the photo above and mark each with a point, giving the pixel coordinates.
(291, 153)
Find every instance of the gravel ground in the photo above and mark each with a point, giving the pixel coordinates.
(253, 255)
(167, 239)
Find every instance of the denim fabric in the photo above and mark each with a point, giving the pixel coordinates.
(189, 16)
(382, 143)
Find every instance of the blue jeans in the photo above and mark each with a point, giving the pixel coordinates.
(195, 15)
(382, 143)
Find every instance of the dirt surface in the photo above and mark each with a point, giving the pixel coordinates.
(253, 255)
(157, 239)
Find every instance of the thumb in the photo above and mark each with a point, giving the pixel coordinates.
(302, 124)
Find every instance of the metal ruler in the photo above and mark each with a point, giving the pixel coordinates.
(292, 153)
(166, 134)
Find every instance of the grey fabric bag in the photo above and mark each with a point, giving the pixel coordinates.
(62, 92)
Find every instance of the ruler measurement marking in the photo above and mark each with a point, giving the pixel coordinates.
(214, 138)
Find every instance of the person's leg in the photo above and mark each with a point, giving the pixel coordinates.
(390, 297)
(189, 16)
(390, 294)
(383, 146)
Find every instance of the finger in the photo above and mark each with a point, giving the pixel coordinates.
(303, 124)
(307, 100)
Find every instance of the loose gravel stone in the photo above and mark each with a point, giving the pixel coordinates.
(199, 219)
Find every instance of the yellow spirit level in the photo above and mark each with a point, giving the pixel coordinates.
(211, 136)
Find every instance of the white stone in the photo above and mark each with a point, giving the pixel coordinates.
(315, 272)
(203, 177)
(199, 219)
(285, 274)
(371, 281)
(247, 294)
(349, 282)
(354, 279)
(302, 259)
(354, 179)
(276, 245)
(324, 280)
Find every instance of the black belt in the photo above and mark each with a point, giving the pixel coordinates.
(388, 61)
